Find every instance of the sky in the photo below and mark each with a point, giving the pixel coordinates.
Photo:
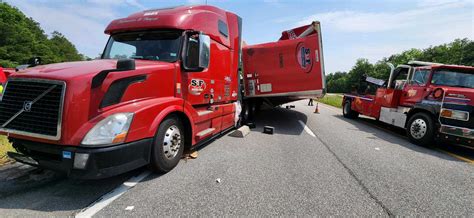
(351, 29)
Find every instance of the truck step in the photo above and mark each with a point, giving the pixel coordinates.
(204, 112)
(205, 133)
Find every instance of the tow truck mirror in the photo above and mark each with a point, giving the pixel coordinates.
(197, 52)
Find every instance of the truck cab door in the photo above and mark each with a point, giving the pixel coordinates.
(415, 87)
(197, 86)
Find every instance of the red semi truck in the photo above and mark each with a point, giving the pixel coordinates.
(428, 99)
(168, 81)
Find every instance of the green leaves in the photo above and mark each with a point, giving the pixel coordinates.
(22, 38)
(459, 52)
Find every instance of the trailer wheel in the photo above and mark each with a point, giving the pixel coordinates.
(248, 111)
(421, 129)
(168, 145)
(347, 112)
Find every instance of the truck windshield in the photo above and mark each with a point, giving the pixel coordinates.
(151, 45)
(453, 78)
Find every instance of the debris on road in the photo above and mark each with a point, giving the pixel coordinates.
(192, 155)
(130, 208)
(251, 125)
(218, 180)
(241, 132)
(268, 130)
(377, 149)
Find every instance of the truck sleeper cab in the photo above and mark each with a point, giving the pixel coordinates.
(427, 99)
(173, 86)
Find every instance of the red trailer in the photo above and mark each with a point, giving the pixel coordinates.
(427, 99)
(168, 81)
(287, 70)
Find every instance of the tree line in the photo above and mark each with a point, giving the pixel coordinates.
(22, 38)
(459, 52)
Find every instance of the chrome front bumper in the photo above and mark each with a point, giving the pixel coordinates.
(457, 131)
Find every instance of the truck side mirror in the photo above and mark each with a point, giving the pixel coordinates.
(197, 52)
(34, 61)
(204, 51)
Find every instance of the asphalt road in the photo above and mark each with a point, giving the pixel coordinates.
(348, 167)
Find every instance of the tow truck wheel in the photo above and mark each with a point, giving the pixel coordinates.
(421, 129)
(347, 112)
(168, 145)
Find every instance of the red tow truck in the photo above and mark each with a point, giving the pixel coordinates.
(429, 100)
(168, 80)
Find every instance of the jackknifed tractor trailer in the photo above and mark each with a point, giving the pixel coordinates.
(168, 80)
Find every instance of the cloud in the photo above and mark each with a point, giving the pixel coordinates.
(82, 23)
(135, 3)
(352, 34)
(368, 22)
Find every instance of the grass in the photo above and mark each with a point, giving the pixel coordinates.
(333, 100)
(5, 146)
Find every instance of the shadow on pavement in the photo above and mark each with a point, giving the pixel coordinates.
(285, 121)
(52, 192)
(367, 124)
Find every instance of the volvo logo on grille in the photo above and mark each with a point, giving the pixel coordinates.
(27, 106)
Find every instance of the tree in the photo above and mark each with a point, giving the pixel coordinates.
(460, 52)
(22, 38)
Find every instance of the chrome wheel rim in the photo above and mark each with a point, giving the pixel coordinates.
(171, 142)
(418, 128)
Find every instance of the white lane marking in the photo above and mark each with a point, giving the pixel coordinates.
(112, 196)
(307, 129)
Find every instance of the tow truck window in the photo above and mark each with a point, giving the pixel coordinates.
(420, 77)
(453, 78)
(152, 45)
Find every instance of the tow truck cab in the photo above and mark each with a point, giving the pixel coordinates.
(427, 99)
(174, 86)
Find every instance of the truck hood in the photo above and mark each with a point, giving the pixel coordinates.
(81, 69)
(460, 95)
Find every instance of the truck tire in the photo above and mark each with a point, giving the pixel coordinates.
(347, 112)
(168, 145)
(421, 129)
(248, 110)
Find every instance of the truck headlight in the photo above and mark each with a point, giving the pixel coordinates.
(111, 130)
(454, 114)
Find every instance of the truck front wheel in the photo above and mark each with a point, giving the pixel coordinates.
(421, 129)
(347, 111)
(168, 145)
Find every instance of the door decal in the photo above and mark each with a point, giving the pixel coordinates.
(303, 55)
(197, 86)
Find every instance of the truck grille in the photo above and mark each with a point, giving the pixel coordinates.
(32, 107)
